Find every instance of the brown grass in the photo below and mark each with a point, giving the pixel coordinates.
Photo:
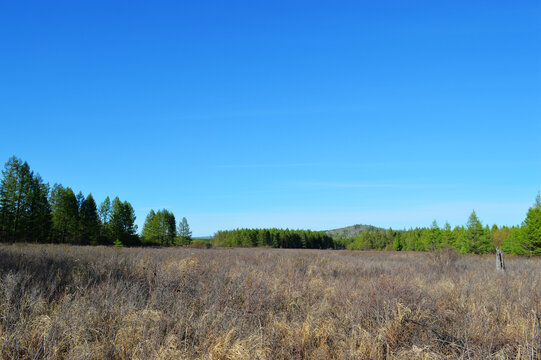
(60, 302)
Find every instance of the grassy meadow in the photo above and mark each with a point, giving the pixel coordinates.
(70, 302)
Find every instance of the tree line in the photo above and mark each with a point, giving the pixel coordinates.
(33, 211)
(472, 238)
(276, 238)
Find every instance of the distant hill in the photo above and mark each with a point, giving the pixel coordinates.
(351, 231)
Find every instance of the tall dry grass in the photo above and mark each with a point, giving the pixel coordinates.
(67, 302)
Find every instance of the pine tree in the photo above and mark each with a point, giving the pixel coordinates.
(90, 221)
(477, 236)
(122, 222)
(160, 228)
(65, 214)
(150, 232)
(512, 243)
(8, 190)
(530, 233)
(432, 237)
(25, 214)
(462, 242)
(15, 200)
(40, 223)
(80, 199)
(447, 239)
(397, 244)
(184, 231)
(104, 212)
(170, 227)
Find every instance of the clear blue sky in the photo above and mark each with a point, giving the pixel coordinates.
(280, 114)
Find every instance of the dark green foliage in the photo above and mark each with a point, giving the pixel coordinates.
(526, 240)
(31, 211)
(65, 214)
(24, 214)
(184, 233)
(277, 238)
(397, 243)
(105, 211)
(530, 239)
(447, 237)
(122, 224)
(432, 237)
(150, 231)
(40, 222)
(477, 238)
(89, 221)
(159, 228)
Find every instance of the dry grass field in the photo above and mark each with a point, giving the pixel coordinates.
(68, 302)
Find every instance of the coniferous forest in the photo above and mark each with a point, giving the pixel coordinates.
(31, 210)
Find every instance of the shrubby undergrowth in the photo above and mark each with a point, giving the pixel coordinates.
(61, 302)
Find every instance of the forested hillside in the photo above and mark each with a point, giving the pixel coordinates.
(351, 231)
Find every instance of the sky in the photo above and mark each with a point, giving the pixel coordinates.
(289, 114)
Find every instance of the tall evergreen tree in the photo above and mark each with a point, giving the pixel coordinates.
(16, 201)
(184, 231)
(170, 228)
(80, 199)
(150, 232)
(477, 236)
(432, 237)
(397, 243)
(447, 239)
(530, 234)
(104, 212)
(65, 214)
(160, 228)
(89, 220)
(41, 220)
(122, 222)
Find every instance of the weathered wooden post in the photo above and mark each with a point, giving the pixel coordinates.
(500, 265)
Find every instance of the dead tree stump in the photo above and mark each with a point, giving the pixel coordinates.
(500, 265)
